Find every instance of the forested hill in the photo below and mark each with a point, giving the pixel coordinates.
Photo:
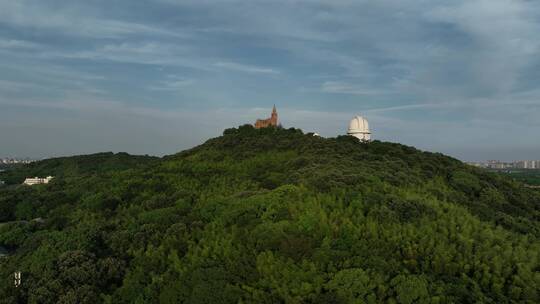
(272, 216)
(77, 166)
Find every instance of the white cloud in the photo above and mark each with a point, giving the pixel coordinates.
(245, 68)
(17, 44)
(150, 53)
(503, 39)
(174, 84)
(421, 106)
(347, 88)
(72, 20)
(8, 85)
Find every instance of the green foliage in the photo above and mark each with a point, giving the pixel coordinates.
(527, 176)
(269, 216)
(76, 166)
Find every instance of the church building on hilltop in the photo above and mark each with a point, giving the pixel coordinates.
(269, 122)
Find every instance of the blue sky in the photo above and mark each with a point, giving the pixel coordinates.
(159, 76)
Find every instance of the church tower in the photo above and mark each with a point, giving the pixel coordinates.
(274, 117)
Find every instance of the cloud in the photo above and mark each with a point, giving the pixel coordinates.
(245, 68)
(465, 70)
(347, 88)
(72, 20)
(154, 53)
(7, 85)
(172, 83)
(497, 51)
(17, 44)
(421, 106)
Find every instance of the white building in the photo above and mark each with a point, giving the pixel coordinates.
(528, 164)
(359, 128)
(17, 277)
(37, 180)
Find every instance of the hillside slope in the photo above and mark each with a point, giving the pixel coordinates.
(272, 215)
(76, 166)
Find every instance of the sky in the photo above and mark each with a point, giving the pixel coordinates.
(160, 76)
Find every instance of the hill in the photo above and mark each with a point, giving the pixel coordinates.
(75, 166)
(273, 215)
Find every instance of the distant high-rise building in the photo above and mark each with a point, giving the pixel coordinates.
(527, 164)
(521, 164)
(269, 122)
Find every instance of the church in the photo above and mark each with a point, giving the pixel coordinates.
(269, 122)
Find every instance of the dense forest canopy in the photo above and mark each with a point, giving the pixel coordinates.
(75, 166)
(528, 176)
(269, 216)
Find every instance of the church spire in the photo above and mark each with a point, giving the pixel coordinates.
(273, 117)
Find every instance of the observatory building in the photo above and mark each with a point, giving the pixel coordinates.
(359, 128)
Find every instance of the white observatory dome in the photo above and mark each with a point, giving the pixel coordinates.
(359, 128)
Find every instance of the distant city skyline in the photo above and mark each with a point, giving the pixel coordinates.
(160, 76)
(517, 164)
(15, 160)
